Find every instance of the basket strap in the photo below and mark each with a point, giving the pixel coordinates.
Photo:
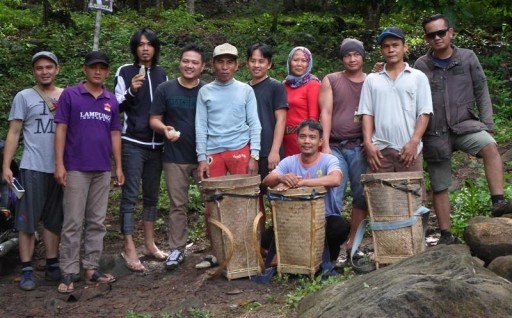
(416, 192)
(256, 241)
(220, 196)
(421, 211)
(281, 197)
(386, 226)
(231, 240)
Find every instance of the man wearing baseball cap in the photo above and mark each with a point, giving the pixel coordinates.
(32, 114)
(87, 136)
(228, 129)
(395, 105)
(227, 124)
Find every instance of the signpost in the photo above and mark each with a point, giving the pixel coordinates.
(99, 6)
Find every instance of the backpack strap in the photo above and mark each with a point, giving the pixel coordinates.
(47, 101)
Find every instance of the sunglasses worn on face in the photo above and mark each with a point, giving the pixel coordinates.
(439, 33)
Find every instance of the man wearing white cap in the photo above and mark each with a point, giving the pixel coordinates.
(343, 137)
(228, 130)
(227, 124)
(32, 114)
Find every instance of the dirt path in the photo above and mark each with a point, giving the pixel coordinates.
(186, 292)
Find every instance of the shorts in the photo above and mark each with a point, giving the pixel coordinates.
(42, 201)
(391, 162)
(441, 172)
(232, 161)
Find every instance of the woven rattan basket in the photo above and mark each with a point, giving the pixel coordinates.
(299, 229)
(233, 204)
(393, 197)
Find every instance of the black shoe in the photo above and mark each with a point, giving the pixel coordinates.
(53, 273)
(447, 239)
(357, 255)
(175, 259)
(501, 207)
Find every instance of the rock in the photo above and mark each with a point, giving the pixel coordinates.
(443, 281)
(507, 156)
(502, 266)
(489, 238)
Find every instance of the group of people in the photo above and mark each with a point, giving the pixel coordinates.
(299, 132)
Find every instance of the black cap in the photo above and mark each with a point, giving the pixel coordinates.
(96, 57)
(392, 31)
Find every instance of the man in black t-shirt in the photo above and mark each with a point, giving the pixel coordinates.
(272, 108)
(172, 114)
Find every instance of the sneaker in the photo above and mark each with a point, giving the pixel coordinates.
(447, 239)
(53, 273)
(501, 207)
(27, 279)
(175, 258)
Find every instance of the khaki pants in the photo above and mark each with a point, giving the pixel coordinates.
(85, 198)
(177, 179)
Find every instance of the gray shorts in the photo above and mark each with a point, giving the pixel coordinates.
(441, 172)
(42, 201)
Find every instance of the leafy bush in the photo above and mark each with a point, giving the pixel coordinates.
(470, 201)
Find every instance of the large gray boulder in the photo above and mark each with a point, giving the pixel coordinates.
(502, 266)
(489, 238)
(443, 281)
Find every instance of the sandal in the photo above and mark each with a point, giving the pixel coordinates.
(208, 262)
(100, 278)
(134, 266)
(158, 255)
(66, 284)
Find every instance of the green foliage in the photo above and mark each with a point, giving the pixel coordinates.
(308, 286)
(195, 200)
(133, 314)
(471, 200)
(200, 313)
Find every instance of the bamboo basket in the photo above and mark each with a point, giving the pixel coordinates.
(299, 229)
(394, 197)
(233, 204)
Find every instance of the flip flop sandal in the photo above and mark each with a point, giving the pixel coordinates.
(134, 266)
(158, 255)
(207, 262)
(100, 278)
(66, 284)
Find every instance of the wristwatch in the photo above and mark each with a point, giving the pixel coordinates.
(255, 157)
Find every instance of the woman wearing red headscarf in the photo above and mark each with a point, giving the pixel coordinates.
(302, 88)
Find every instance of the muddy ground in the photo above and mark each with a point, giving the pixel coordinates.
(186, 292)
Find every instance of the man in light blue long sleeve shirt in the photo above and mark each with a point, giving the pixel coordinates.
(227, 125)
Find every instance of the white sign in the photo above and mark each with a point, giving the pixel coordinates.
(103, 5)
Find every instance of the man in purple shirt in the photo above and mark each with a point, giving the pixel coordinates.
(87, 135)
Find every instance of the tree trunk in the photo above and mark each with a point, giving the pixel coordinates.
(372, 16)
(46, 12)
(191, 6)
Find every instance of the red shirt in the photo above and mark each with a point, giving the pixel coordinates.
(303, 104)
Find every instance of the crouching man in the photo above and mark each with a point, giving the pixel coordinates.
(312, 168)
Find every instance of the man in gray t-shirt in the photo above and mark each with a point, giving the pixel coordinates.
(32, 114)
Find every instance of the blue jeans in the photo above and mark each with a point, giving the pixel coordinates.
(144, 164)
(353, 164)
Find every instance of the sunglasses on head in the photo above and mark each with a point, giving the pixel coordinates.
(440, 34)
